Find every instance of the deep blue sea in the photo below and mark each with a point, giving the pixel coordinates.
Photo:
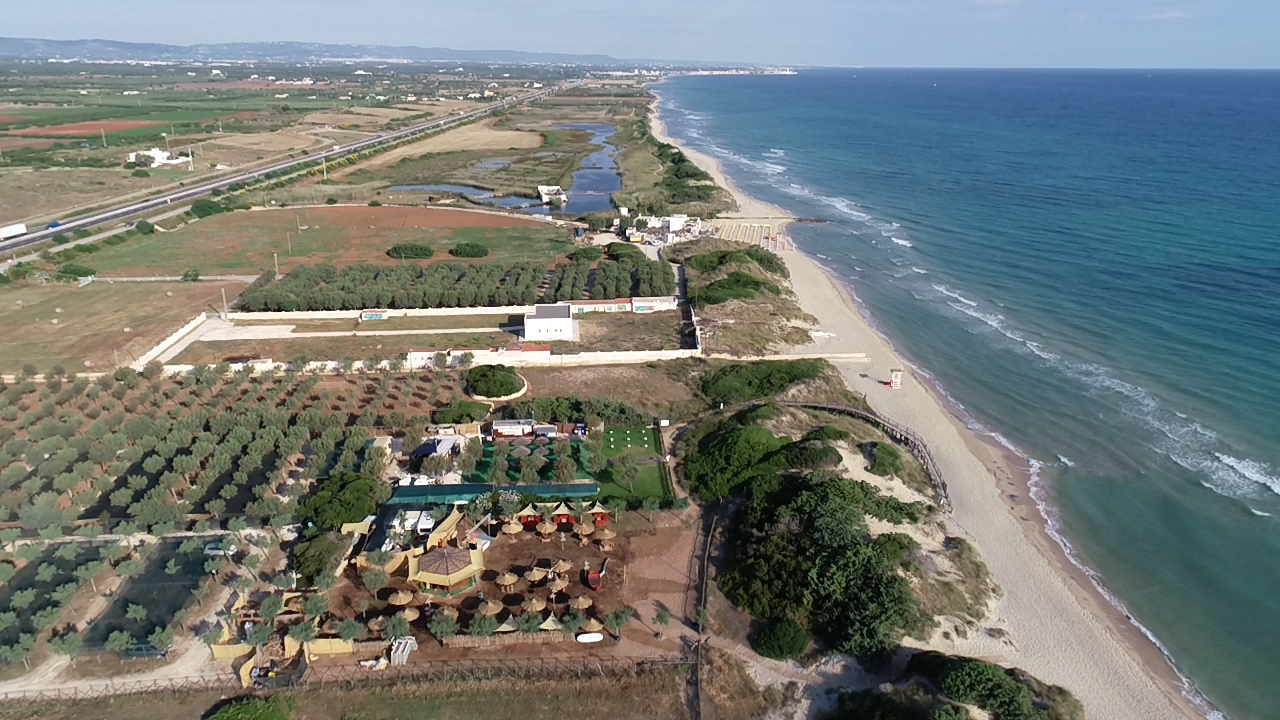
(1089, 263)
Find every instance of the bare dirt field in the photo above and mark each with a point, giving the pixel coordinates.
(243, 242)
(93, 319)
(650, 389)
(26, 193)
(600, 331)
(476, 136)
(7, 143)
(85, 129)
(444, 322)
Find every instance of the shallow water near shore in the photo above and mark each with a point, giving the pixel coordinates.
(1087, 263)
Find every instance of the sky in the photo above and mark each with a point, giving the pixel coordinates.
(898, 33)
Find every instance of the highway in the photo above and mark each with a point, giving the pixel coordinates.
(188, 194)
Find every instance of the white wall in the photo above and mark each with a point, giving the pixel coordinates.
(353, 314)
(548, 328)
(170, 341)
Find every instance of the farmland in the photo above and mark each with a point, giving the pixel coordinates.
(244, 242)
(336, 348)
(90, 328)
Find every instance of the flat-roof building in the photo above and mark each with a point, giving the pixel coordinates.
(549, 322)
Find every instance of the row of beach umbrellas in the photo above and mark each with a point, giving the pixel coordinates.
(546, 527)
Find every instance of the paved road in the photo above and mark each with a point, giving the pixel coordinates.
(13, 257)
(188, 194)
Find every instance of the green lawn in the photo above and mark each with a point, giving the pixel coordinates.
(648, 483)
(619, 440)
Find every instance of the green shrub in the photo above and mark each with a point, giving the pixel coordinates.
(885, 460)
(251, 709)
(469, 250)
(575, 410)
(318, 556)
(140, 173)
(765, 378)
(375, 203)
(342, 498)
(737, 286)
(410, 251)
(586, 254)
(462, 412)
(204, 208)
(60, 239)
(827, 433)
(144, 227)
(72, 270)
(331, 201)
(492, 381)
(781, 640)
(191, 275)
(809, 456)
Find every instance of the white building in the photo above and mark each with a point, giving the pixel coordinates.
(155, 157)
(547, 193)
(550, 322)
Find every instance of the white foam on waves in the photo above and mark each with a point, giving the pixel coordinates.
(900, 241)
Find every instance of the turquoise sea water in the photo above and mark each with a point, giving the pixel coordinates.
(1089, 264)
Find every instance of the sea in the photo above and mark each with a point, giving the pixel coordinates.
(1088, 264)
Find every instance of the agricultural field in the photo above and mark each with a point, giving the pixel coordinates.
(156, 590)
(97, 326)
(335, 348)
(244, 242)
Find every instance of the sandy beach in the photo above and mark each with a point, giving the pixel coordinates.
(1055, 623)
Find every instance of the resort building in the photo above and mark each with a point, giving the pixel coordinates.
(550, 322)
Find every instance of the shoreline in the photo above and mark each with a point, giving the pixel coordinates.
(1066, 630)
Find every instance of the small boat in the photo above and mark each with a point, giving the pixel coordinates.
(595, 578)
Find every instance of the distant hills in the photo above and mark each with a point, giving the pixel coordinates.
(282, 52)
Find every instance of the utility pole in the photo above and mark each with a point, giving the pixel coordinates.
(224, 304)
(288, 237)
(104, 136)
(276, 256)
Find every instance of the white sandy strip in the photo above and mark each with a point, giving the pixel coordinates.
(1057, 632)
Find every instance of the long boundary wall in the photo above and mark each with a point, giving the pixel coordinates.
(354, 314)
(170, 341)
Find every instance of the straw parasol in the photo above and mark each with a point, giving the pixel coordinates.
(536, 574)
(490, 608)
(584, 529)
(557, 585)
(606, 534)
(591, 625)
(448, 611)
(400, 597)
(410, 614)
(512, 528)
(507, 579)
(582, 602)
(546, 527)
(562, 566)
(376, 624)
(520, 452)
(533, 604)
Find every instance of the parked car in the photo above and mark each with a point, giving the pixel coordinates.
(217, 549)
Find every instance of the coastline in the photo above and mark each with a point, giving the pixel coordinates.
(1064, 630)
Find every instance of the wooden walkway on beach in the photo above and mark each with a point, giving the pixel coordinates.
(899, 433)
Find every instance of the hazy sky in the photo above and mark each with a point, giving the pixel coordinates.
(1004, 33)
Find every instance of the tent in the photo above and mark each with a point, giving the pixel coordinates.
(446, 568)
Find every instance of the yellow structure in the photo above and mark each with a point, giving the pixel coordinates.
(445, 568)
(445, 531)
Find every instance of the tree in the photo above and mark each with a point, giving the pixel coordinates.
(572, 622)
(781, 640)
(397, 627)
(251, 709)
(351, 629)
(118, 641)
(271, 607)
(443, 626)
(303, 632)
(136, 613)
(22, 599)
(596, 460)
(161, 638)
(661, 618)
(315, 605)
(375, 579)
(483, 626)
(529, 623)
(530, 467)
(564, 469)
(624, 467)
(68, 644)
(616, 620)
(212, 636)
(498, 467)
(650, 505)
(259, 634)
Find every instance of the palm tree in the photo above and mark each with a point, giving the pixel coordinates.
(259, 635)
(650, 505)
(375, 579)
(529, 623)
(483, 626)
(443, 626)
(624, 467)
(304, 631)
(136, 613)
(571, 621)
(616, 620)
(661, 618)
(397, 627)
(315, 606)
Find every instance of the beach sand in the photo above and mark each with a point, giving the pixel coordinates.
(1051, 620)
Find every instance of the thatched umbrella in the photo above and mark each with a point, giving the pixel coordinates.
(490, 608)
(583, 529)
(520, 452)
(533, 604)
(546, 527)
(606, 534)
(375, 625)
(520, 441)
(400, 597)
(562, 566)
(582, 602)
(557, 585)
(536, 574)
(507, 579)
(541, 452)
(448, 611)
(513, 529)
(592, 625)
(410, 614)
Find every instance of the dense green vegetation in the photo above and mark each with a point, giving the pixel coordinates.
(492, 381)
(203, 208)
(410, 251)
(447, 284)
(800, 551)
(748, 381)
(885, 460)
(781, 639)
(462, 412)
(343, 497)
(737, 286)
(769, 261)
(682, 181)
(469, 250)
(576, 410)
(251, 709)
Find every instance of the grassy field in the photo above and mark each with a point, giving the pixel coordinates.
(335, 348)
(649, 695)
(90, 329)
(601, 331)
(621, 440)
(243, 242)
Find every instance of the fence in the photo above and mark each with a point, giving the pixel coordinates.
(541, 638)
(355, 314)
(170, 341)
(899, 433)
